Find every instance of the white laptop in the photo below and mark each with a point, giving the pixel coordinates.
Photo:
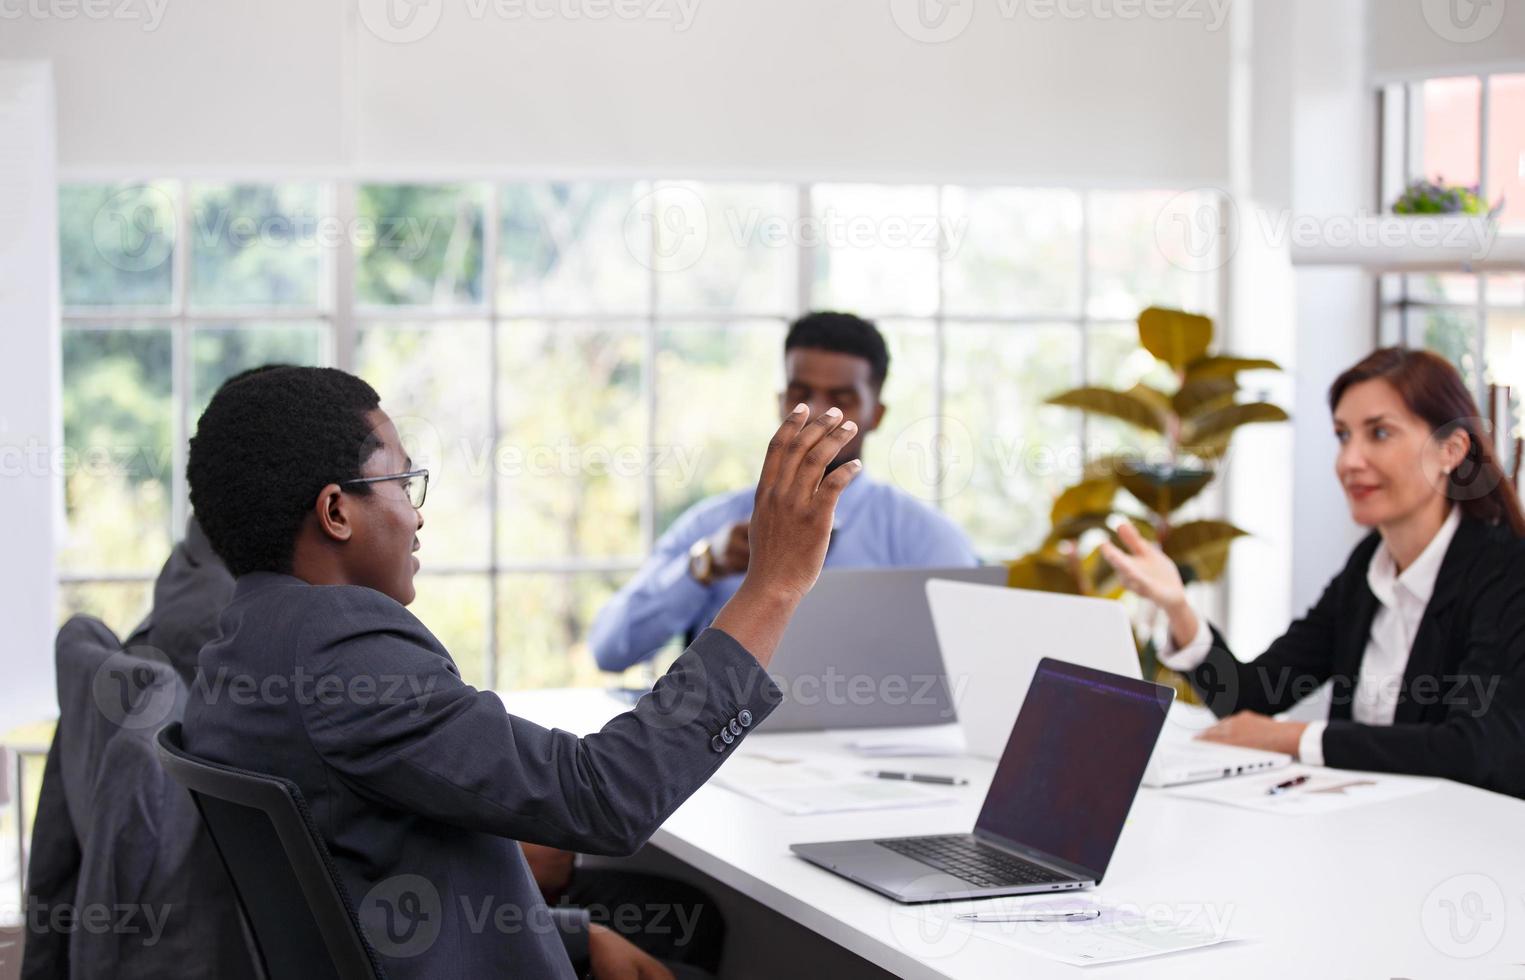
(992, 638)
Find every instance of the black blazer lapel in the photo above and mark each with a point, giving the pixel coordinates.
(1434, 643)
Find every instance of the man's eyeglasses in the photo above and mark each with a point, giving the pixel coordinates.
(415, 483)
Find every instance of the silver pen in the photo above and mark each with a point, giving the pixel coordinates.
(1074, 915)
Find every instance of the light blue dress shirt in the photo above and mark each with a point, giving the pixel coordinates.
(877, 526)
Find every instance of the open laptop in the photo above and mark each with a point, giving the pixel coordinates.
(860, 651)
(1056, 806)
(991, 639)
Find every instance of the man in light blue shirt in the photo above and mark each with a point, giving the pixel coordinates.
(832, 361)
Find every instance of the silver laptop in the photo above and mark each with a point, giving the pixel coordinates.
(991, 640)
(860, 652)
(1056, 806)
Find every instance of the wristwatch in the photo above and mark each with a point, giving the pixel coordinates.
(701, 562)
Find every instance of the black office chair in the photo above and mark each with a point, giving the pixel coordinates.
(301, 917)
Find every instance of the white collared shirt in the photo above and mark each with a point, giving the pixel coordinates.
(1401, 599)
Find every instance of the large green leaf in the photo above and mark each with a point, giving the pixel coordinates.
(1088, 497)
(1195, 397)
(1225, 366)
(1206, 427)
(1164, 488)
(1125, 405)
(1203, 546)
(1174, 336)
(1041, 573)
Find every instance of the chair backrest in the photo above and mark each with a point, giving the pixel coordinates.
(303, 922)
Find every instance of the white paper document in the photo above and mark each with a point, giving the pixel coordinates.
(1313, 790)
(798, 787)
(1122, 931)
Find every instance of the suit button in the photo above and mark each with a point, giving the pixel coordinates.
(735, 727)
(716, 744)
(745, 717)
(726, 736)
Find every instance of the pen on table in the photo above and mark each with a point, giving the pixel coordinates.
(1289, 784)
(1074, 915)
(915, 777)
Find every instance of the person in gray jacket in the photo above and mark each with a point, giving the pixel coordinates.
(421, 784)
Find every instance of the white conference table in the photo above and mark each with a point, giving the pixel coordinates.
(1428, 886)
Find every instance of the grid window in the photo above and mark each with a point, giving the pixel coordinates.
(579, 362)
(1467, 130)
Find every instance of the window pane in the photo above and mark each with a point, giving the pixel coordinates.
(1023, 452)
(256, 245)
(574, 248)
(571, 457)
(1506, 348)
(876, 248)
(220, 351)
(419, 244)
(454, 608)
(433, 383)
(543, 622)
(899, 452)
(723, 247)
(1012, 252)
(1506, 289)
(115, 244)
(1434, 287)
(1150, 248)
(1506, 148)
(117, 464)
(120, 605)
(1451, 334)
(1448, 129)
(718, 388)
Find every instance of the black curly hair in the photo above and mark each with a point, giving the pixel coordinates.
(842, 333)
(268, 442)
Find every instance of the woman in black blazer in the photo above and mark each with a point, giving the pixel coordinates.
(1422, 635)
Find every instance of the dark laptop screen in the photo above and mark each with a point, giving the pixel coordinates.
(1074, 762)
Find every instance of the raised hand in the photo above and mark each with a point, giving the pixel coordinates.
(790, 527)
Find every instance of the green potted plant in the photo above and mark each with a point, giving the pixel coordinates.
(1193, 425)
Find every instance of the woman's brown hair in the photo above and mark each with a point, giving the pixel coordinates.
(1434, 390)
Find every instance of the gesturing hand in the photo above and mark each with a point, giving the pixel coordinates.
(613, 957)
(790, 526)
(1148, 572)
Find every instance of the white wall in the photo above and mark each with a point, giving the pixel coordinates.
(784, 88)
(30, 491)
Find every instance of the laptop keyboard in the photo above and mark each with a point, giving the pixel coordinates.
(964, 857)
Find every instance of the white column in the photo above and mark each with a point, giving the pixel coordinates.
(31, 427)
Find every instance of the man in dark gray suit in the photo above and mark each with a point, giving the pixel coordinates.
(421, 784)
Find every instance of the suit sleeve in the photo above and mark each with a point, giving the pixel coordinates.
(391, 715)
(1293, 667)
(660, 602)
(1481, 739)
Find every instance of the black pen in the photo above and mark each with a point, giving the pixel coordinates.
(913, 777)
(1289, 784)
